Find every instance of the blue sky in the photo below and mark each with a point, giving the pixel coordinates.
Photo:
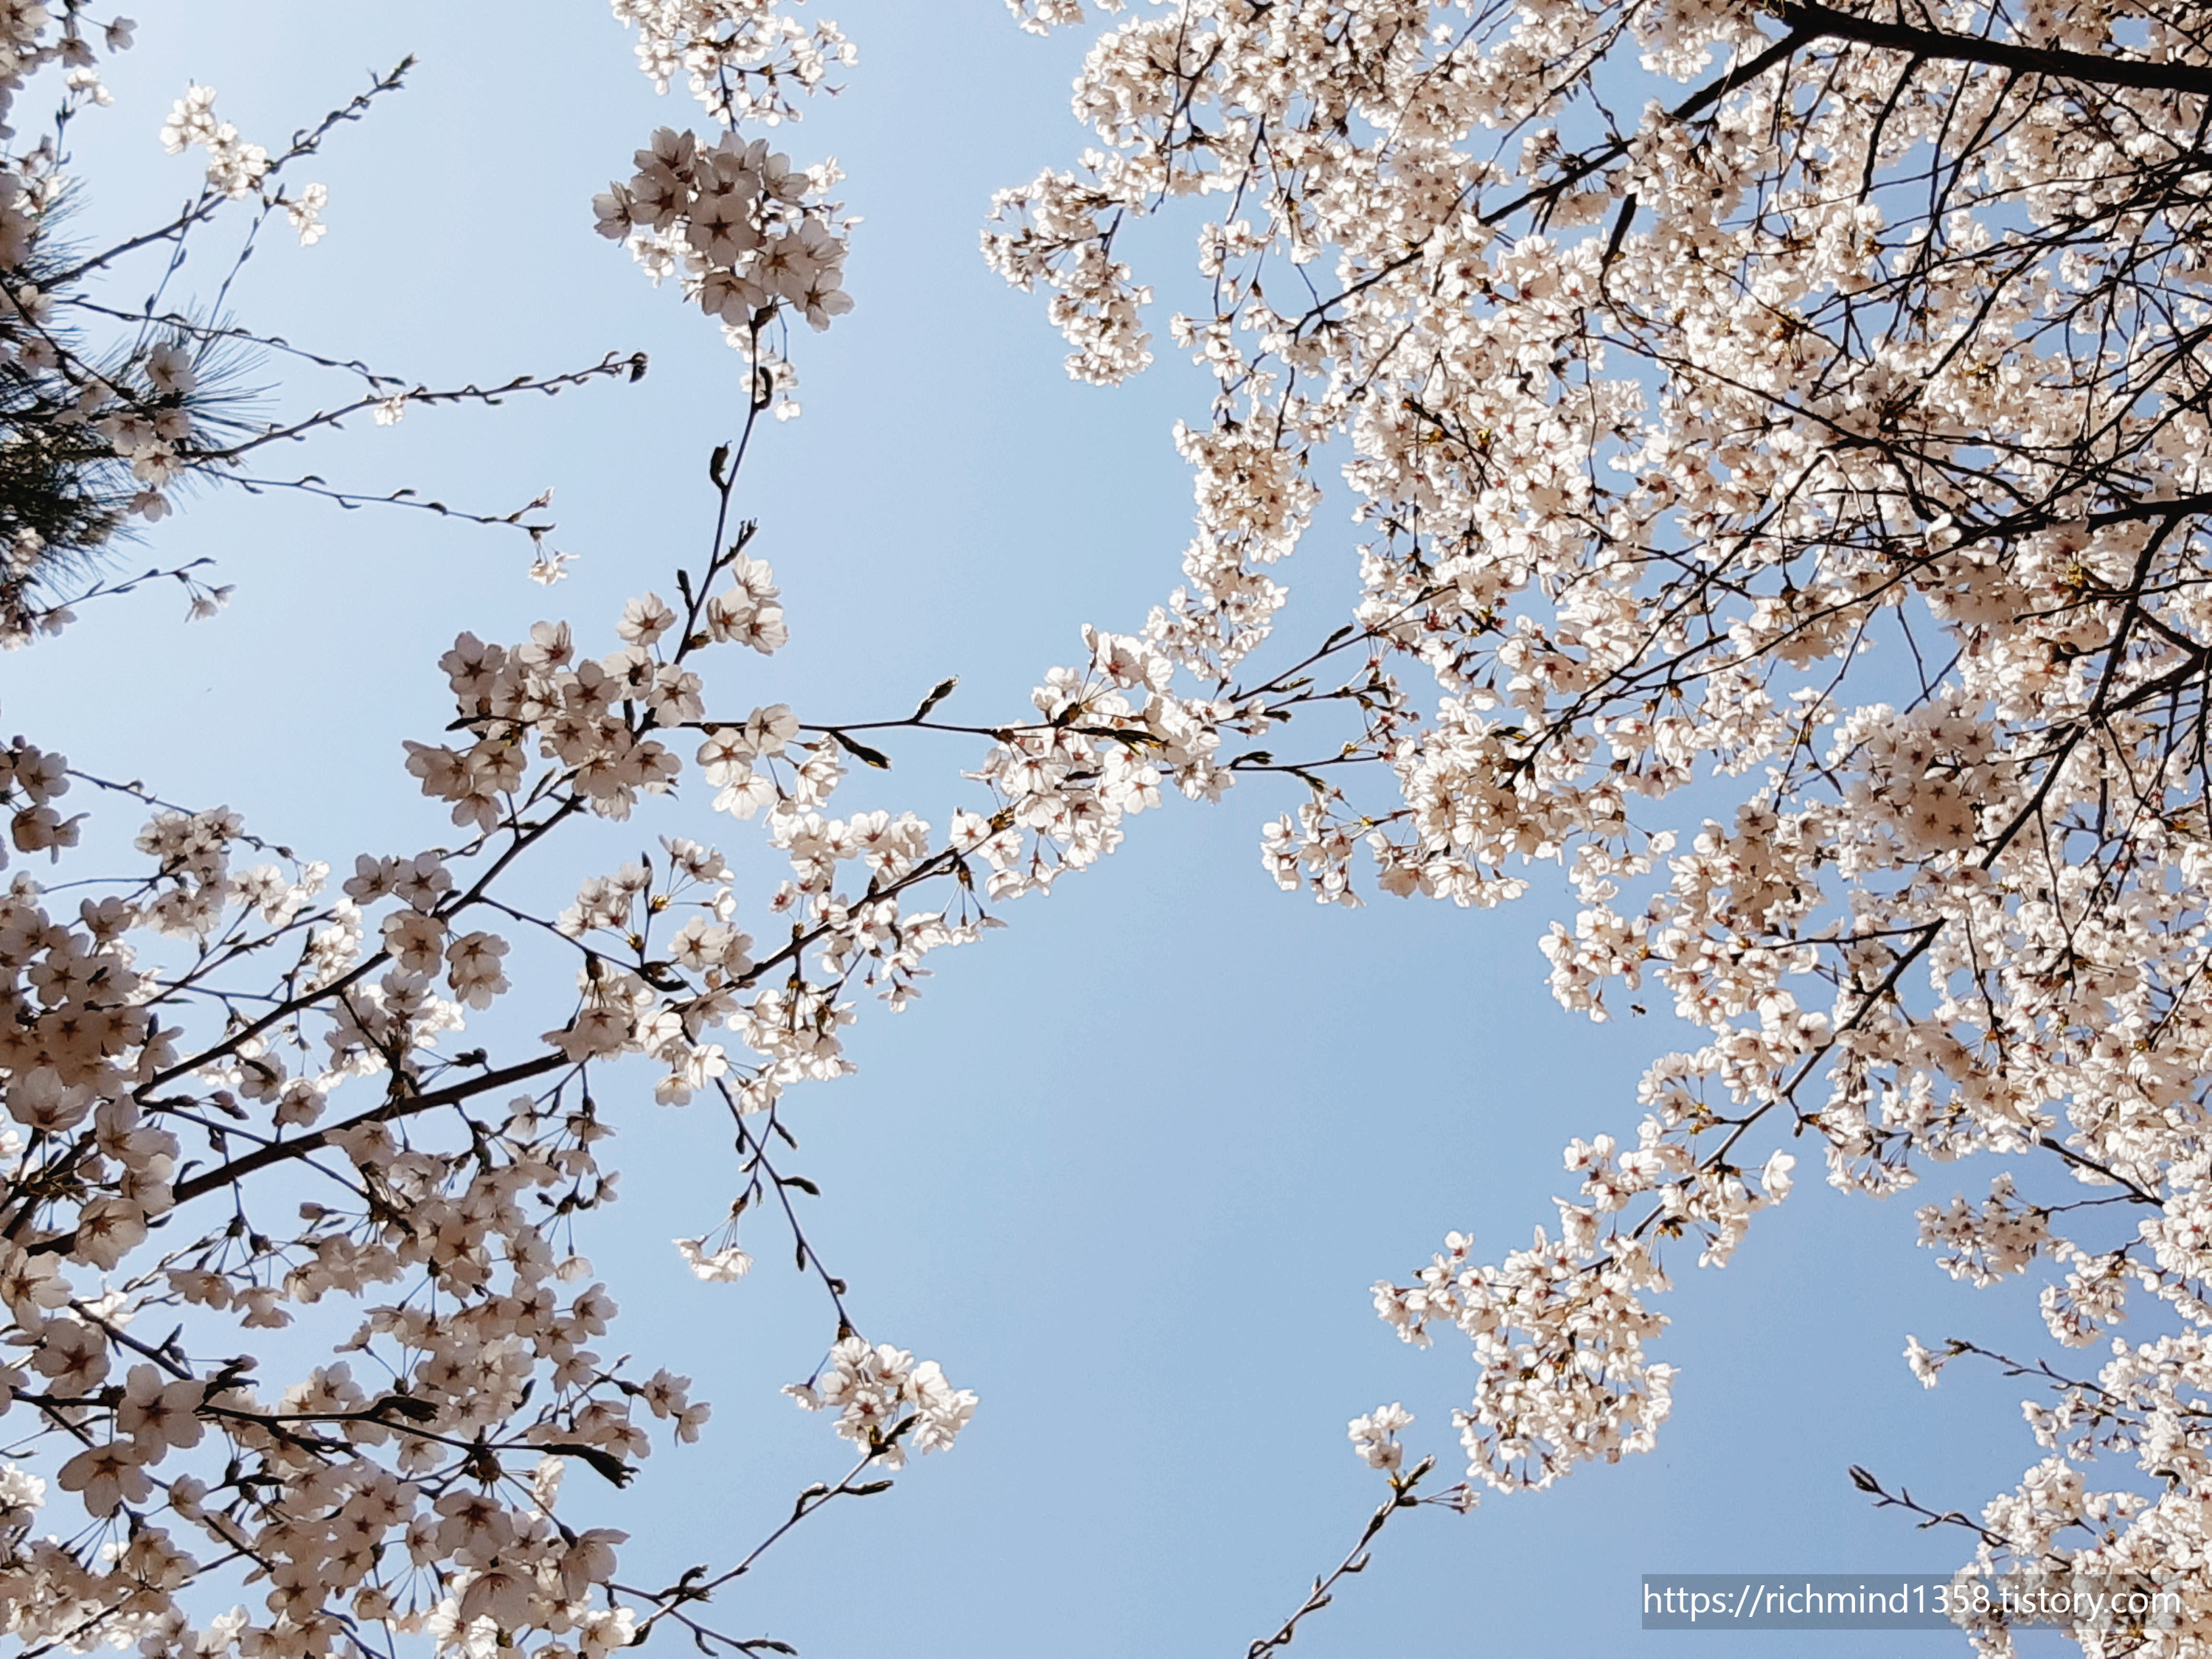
(1130, 1166)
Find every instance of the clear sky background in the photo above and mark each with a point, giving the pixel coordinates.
(1130, 1167)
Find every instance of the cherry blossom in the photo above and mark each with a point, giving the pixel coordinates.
(1775, 436)
(228, 1020)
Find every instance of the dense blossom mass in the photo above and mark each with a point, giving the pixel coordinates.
(1784, 513)
(1826, 432)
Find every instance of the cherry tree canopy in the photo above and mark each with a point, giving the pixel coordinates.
(1833, 423)
(1783, 510)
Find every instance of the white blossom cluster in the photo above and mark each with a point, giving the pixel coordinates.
(742, 58)
(878, 1392)
(1829, 434)
(749, 237)
(32, 39)
(732, 218)
(1375, 1437)
(236, 169)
